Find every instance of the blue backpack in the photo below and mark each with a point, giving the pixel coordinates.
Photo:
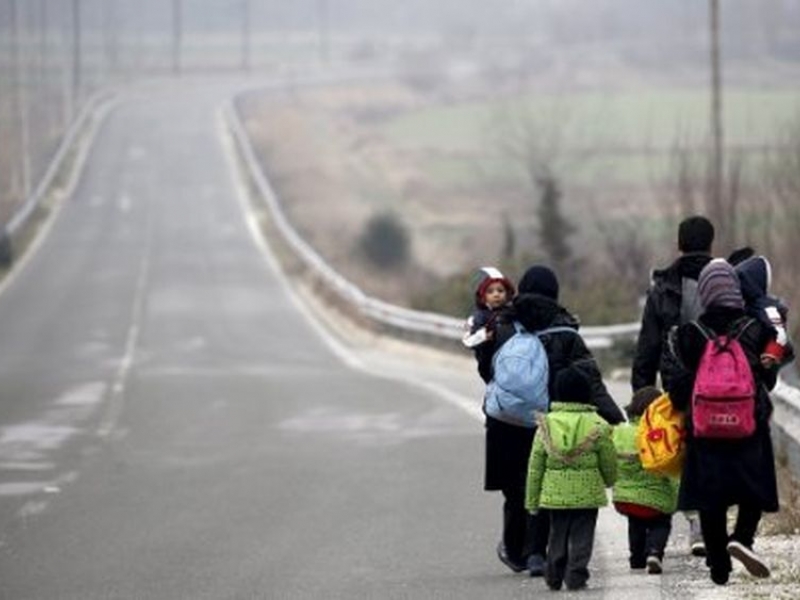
(518, 391)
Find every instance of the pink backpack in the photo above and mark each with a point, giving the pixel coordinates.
(724, 394)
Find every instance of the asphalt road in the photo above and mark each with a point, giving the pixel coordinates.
(172, 424)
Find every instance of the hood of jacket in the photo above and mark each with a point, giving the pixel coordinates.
(754, 274)
(569, 429)
(536, 312)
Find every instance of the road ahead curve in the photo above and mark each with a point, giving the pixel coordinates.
(173, 426)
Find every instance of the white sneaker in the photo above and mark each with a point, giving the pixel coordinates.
(696, 545)
(698, 548)
(754, 565)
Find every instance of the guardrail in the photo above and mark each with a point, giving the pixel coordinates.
(786, 434)
(24, 213)
(449, 328)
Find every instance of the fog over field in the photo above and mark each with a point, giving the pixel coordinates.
(604, 105)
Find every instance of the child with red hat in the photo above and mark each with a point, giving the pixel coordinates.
(493, 292)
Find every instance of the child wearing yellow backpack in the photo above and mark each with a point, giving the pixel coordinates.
(647, 499)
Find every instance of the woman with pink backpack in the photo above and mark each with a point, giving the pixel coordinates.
(723, 389)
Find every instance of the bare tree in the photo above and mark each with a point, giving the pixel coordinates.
(715, 197)
(628, 250)
(554, 229)
(532, 139)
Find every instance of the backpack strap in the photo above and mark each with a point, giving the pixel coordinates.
(707, 333)
(556, 329)
(519, 328)
(739, 326)
(734, 332)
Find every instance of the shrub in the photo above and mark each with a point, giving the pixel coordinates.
(385, 242)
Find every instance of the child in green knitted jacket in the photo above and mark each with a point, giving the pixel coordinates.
(647, 499)
(571, 464)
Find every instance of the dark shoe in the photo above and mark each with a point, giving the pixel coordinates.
(553, 585)
(719, 576)
(517, 567)
(536, 565)
(574, 587)
(754, 565)
(654, 565)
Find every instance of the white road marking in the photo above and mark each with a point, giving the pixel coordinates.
(253, 227)
(87, 394)
(466, 404)
(124, 203)
(117, 396)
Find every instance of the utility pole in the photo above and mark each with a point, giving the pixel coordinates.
(111, 34)
(77, 67)
(43, 41)
(716, 120)
(246, 14)
(177, 31)
(323, 17)
(21, 77)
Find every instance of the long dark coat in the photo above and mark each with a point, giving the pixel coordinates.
(722, 473)
(508, 446)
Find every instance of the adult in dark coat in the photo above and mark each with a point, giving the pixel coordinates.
(667, 303)
(508, 446)
(671, 301)
(721, 473)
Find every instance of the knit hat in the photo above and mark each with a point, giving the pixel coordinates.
(539, 279)
(573, 386)
(718, 285)
(695, 234)
(487, 276)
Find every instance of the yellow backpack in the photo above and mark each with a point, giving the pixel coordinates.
(660, 438)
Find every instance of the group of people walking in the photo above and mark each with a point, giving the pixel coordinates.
(554, 468)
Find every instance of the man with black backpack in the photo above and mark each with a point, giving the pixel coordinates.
(673, 300)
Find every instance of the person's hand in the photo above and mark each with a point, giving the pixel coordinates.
(768, 361)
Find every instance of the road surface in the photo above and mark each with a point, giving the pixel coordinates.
(175, 424)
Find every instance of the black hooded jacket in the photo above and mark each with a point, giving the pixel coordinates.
(662, 311)
(725, 472)
(754, 276)
(536, 312)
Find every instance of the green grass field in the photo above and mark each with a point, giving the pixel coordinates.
(632, 119)
(625, 137)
